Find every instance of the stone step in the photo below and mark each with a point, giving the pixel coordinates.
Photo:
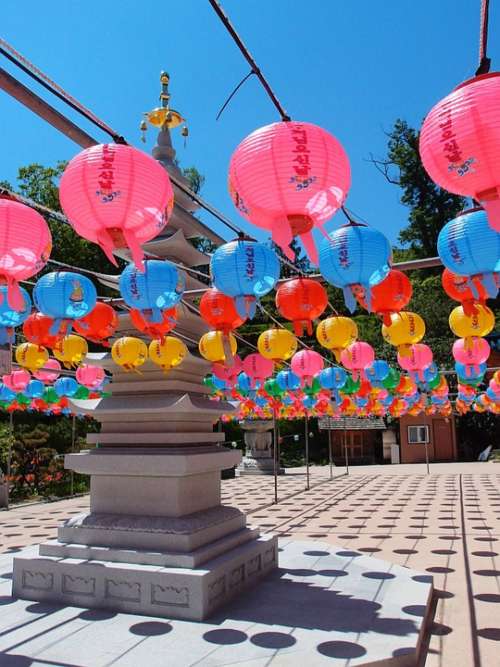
(141, 557)
(170, 592)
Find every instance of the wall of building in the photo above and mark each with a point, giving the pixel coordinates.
(442, 439)
(364, 446)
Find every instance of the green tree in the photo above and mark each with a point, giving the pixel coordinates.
(430, 206)
(196, 180)
(32, 460)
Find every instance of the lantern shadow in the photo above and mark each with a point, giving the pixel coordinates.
(280, 601)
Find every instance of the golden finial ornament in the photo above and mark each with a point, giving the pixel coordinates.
(163, 116)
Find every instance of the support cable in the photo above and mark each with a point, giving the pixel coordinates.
(249, 58)
(484, 61)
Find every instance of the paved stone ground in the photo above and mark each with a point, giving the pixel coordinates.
(445, 524)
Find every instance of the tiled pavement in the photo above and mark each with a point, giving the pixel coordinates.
(446, 524)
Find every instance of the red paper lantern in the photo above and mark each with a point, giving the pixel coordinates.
(301, 301)
(98, 325)
(155, 329)
(389, 296)
(460, 288)
(219, 311)
(36, 329)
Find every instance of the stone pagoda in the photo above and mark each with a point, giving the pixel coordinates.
(157, 540)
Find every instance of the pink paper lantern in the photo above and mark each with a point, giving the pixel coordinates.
(289, 177)
(460, 143)
(90, 376)
(471, 352)
(257, 367)
(306, 364)
(418, 357)
(116, 196)
(48, 376)
(25, 245)
(228, 373)
(357, 357)
(17, 380)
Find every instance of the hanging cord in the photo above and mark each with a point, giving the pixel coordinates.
(234, 93)
(484, 61)
(249, 58)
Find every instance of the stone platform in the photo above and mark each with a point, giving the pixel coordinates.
(324, 605)
(157, 540)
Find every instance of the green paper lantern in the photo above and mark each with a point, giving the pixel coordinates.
(392, 379)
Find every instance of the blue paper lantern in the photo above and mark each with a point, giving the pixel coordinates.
(218, 383)
(10, 318)
(355, 255)
(309, 402)
(246, 271)
(288, 381)
(6, 394)
(468, 246)
(159, 287)
(332, 378)
(63, 295)
(66, 386)
(378, 371)
(244, 382)
(387, 400)
(34, 389)
(470, 373)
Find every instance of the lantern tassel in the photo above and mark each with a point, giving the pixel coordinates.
(473, 287)
(349, 299)
(282, 236)
(492, 208)
(135, 249)
(105, 241)
(490, 285)
(228, 353)
(14, 295)
(310, 247)
(55, 326)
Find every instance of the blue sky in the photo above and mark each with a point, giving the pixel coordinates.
(351, 67)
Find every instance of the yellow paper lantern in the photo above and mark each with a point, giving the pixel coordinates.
(168, 353)
(32, 357)
(406, 328)
(480, 323)
(129, 352)
(71, 350)
(337, 333)
(277, 344)
(217, 346)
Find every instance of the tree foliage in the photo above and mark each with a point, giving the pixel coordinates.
(430, 206)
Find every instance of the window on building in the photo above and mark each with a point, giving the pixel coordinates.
(418, 435)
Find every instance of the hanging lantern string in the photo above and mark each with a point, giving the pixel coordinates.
(221, 110)
(238, 336)
(484, 61)
(250, 60)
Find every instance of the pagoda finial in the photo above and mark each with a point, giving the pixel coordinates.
(163, 117)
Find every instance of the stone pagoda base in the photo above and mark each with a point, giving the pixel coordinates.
(257, 466)
(157, 541)
(259, 459)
